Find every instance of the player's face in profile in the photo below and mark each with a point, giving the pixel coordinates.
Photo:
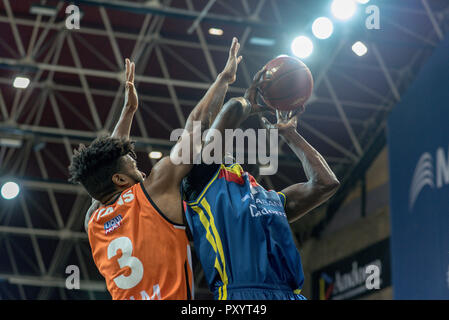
(132, 171)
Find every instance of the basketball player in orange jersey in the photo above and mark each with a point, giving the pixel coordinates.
(136, 234)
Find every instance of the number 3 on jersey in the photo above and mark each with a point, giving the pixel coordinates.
(126, 260)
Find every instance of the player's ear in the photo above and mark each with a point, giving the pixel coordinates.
(120, 180)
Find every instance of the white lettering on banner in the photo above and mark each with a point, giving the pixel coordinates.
(424, 174)
(442, 168)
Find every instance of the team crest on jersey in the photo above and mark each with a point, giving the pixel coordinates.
(113, 224)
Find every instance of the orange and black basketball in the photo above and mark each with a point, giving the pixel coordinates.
(291, 83)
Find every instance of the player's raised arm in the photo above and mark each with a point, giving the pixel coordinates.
(123, 127)
(322, 182)
(236, 110)
(170, 174)
(207, 109)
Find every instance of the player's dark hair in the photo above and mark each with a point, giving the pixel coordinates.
(94, 166)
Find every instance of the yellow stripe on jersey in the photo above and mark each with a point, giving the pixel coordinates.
(285, 198)
(224, 277)
(297, 291)
(209, 237)
(205, 189)
(322, 293)
(235, 168)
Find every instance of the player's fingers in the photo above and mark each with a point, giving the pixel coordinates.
(267, 123)
(263, 82)
(239, 59)
(263, 109)
(293, 113)
(131, 76)
(232, 51)
(259, 74)
(127, 69)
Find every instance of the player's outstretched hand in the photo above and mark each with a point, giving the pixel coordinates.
(229, 72)
(131, 99)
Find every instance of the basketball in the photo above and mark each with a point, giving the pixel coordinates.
(291, 83)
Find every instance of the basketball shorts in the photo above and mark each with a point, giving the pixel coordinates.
(262, 292)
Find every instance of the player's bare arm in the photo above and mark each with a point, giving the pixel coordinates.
(164, 181)
(322, 182)
(123, 127)
(236, 110)
(209, 106)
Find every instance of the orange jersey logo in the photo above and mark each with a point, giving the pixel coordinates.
(140, 253)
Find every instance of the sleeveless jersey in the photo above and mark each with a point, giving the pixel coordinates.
(141, 254)
(242, 236)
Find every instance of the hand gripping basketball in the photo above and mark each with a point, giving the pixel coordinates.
(286, 121)
(253, 91)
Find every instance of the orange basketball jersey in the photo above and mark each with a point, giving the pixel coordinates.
(141, 254)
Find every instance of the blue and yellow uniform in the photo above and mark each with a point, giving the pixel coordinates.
(241, 235)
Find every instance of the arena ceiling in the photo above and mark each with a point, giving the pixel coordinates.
(76, 93)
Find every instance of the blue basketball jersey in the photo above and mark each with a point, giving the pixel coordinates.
(242, 236)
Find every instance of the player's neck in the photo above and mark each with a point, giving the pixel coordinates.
(107, 199)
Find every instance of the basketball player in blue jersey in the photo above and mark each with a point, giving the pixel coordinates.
(241, 230)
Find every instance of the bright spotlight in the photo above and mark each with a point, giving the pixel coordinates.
(302, 47)
(363, 1)
(322, 28)
(21, 82)
(216, 31)
(155, 155)
(343, 9)
(10, 190)
(359, 48)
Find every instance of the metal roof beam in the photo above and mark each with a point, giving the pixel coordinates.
(82, 72)
(125, 34)
(141, 8)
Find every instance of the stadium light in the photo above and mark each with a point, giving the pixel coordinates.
(21, 82)
(363, 1)
(10, 190)
(302, 47)
(322, 28)
(359, 48)
(155, 155)
(343, 9)
(216, 31)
